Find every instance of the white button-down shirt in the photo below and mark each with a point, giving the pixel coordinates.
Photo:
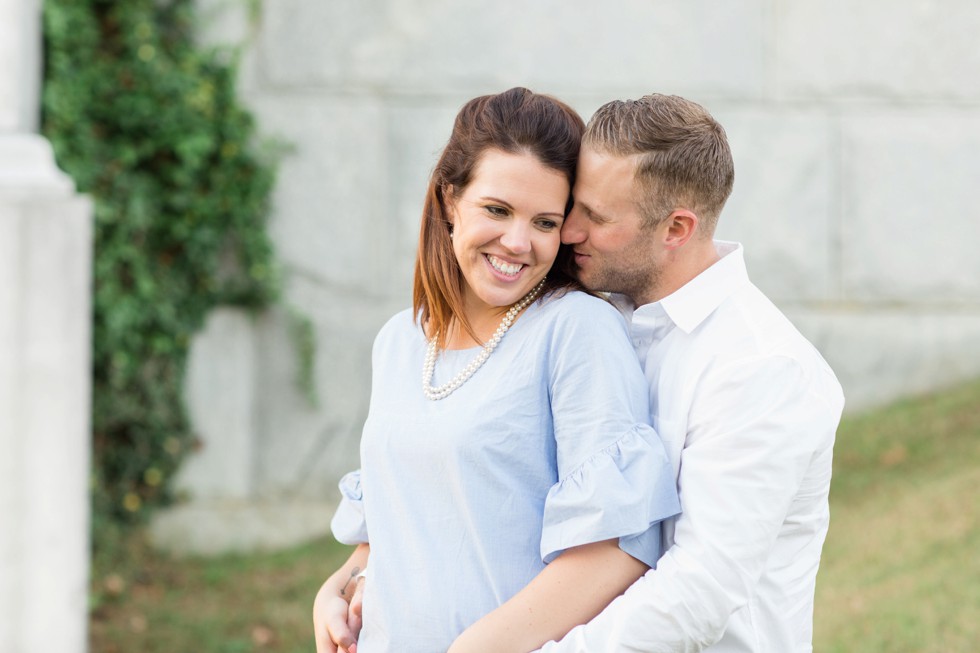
(748, 411)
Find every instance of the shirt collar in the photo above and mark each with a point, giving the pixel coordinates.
(688, 306)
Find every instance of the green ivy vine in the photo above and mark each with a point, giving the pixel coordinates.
(149, 125)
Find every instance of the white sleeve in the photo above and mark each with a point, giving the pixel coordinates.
(755, 426)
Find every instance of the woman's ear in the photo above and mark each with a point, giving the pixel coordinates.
(449, 202)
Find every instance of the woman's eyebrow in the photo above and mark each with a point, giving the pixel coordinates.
(496, 200)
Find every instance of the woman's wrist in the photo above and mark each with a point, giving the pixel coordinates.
(348, 584)
(343, 582)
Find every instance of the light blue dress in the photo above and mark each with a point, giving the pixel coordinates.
(465, 499)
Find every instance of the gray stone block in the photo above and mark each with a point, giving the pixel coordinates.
(329, 219)
(430, 46)
(219, 527)
(889, 353)
(219, 391)
(783, 206)
(878, 48)
(295, 432)
(417, 133)
(322, 43)
(305, 448)
(911, 224)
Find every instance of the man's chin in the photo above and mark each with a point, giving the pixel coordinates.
(588, 282)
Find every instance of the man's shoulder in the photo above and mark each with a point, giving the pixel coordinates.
(750, 316)
(739, 322)
(749, 329)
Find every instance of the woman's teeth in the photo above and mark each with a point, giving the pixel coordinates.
(510, 269)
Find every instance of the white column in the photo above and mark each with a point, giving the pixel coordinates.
(20, 56)
(45, 379)
(27, 167)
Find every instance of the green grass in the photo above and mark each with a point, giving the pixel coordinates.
(145, 601)
(901, 566)
(900, 571)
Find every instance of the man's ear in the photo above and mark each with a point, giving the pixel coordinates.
(682, 224)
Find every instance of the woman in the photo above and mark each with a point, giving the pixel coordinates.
(522, 465)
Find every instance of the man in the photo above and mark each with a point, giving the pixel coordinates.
(746, 406)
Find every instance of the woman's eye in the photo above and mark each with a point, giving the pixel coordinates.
(496, 210)
(547, 225)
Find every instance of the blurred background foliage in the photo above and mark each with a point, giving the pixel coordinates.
(149, 125)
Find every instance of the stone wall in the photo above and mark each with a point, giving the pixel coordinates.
(854, 128)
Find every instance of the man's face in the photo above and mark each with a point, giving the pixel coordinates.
(614, 252)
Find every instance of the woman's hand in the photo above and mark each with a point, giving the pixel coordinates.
(354, 609)
(337, 606)
(331, 630)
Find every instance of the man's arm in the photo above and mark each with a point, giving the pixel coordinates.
(755, 427)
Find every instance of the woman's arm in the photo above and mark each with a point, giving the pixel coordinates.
(571, 590)
(331, 626)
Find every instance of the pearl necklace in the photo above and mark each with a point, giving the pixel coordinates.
(431, 352)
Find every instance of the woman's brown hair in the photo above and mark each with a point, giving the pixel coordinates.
(517, 121)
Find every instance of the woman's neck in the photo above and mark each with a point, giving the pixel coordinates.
(483, 324)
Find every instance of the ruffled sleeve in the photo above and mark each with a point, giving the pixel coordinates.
(348, 523)
(614, 477)
(623, 491)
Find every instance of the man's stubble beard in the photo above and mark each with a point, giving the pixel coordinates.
(634, 282)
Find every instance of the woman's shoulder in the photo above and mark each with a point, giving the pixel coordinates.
(399, 326)
(577, 305)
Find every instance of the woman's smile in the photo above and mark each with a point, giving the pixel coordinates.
(509, 271)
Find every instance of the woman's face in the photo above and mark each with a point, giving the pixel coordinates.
(506, 229)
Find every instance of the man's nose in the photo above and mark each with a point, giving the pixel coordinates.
(573, 229)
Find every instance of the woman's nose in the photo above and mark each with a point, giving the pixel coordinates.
(517, 237)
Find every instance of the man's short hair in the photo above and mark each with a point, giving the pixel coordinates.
(682, 154)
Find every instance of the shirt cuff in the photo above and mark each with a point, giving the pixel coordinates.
(348, 524)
